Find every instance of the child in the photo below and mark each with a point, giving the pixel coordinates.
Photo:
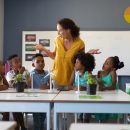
(108, 81)
(41, 81)
(3, 82)
(108, 77)
(84, 65)
(16, 68)
(3, 86)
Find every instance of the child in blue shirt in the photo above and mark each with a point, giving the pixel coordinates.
(84, 65)
(108, 81)
(40, 81)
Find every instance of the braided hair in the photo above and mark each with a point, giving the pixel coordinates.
(116, 63)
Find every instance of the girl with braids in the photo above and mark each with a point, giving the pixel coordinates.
(108, 76)
(108, 81)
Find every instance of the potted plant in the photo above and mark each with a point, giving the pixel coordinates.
(19, 83)
(91, 85)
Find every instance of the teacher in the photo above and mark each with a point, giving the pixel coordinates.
(67, 44)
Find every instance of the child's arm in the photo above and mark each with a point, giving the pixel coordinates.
(3, 87)
(114, 80)
(5, 84)
(28, 80)
(44, 87)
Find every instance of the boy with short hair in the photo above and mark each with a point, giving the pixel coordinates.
(41, 81)
(16, 68)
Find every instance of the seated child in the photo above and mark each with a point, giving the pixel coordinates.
(108, 77)
(16, 68)
(41, 81)
(84, 65)
(3, 86)
(3, 82)
(107, 80)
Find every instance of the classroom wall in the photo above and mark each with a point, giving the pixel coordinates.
(42, 15)
(1, 27)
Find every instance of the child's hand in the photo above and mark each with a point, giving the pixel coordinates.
(43, 87)
(21, 70)
(101, 88)
(71, 88)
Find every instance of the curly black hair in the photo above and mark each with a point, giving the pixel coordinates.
(86, 59)
(116, 62)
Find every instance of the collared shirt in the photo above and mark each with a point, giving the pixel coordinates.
(10, 75)
(39, 79)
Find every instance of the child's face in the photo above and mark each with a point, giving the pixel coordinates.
(16, 63)
(108, 65)
(1, 68)
(38, 63)
(78, 65)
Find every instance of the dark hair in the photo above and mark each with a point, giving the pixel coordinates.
(67, 23)
(11, 57)
(116, 63)
(86, 59)
(37, 55)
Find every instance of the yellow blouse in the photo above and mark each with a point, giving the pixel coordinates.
(63, 66)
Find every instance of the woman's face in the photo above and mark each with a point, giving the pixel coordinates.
(64, 33)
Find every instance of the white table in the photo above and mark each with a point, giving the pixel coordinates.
(27, 102)
(99, 127)
(29, 90)
(7, 125)
(111, 102)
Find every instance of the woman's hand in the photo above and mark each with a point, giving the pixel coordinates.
(94, 51)
(38, 47)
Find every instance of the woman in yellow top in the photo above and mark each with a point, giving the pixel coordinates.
(67, 44)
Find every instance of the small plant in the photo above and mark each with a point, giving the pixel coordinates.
(18, 78)
(92, 85)
(19, 83)
(91, 79)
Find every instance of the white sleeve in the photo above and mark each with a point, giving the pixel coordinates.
(9, 76)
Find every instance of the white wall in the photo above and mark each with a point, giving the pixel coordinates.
(110, 43)
(1, 27)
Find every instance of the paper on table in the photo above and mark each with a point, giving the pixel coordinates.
(90, 96)
(27, 95)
